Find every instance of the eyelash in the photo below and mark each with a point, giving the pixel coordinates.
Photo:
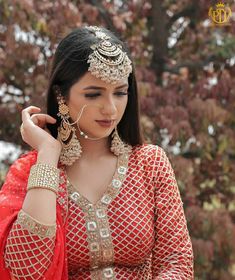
(94, 95)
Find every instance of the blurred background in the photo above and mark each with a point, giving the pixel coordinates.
(185, 65)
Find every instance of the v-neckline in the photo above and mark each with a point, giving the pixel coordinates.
(111, 191)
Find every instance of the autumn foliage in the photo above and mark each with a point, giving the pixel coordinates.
(186, 79)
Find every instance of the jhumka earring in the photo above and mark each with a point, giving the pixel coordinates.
(118, 147)
(71, 148)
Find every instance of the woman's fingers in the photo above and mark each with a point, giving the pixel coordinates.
(30, 115)
(42, 119)
(28, 111)
(33, 129)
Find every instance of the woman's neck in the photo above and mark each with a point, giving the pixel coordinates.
(93, 149)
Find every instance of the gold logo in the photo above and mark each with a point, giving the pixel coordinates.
(221, 14)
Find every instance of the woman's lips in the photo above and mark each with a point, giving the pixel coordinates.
(105, 123)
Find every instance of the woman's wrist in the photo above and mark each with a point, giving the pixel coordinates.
(49, 156)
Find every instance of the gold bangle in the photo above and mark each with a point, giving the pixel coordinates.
(43, 176)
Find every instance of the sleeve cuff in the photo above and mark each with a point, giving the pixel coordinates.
(34, 226)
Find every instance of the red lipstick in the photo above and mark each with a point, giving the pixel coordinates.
(105, 123)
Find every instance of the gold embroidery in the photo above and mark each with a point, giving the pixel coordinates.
(97, 224)
(103, 274)
(62, 196)
(34, 226)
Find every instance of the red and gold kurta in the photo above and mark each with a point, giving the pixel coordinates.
(137, 229)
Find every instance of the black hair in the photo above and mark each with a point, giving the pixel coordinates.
(70, 64)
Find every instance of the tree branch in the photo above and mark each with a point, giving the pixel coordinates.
(159, 37)
(189, 11)
(192, 65)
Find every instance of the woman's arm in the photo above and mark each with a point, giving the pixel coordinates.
(172, 253)
(12, 196)
(41, 203)
(31, 239)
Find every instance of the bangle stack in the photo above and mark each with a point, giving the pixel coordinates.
(43, 176)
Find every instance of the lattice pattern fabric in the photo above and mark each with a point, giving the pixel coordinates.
(172, 253)
(29, 248)
(144, 247)
(137, 230)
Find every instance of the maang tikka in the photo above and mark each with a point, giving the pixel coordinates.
(71, 148)
(108, 61)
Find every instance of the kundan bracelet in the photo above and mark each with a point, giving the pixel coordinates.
(43, 176)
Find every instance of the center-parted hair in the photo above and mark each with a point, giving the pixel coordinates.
(70, 64)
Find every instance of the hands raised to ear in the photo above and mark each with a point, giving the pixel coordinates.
(34, 132)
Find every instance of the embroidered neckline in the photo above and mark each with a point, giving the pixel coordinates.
(111, 191)
(96, 219)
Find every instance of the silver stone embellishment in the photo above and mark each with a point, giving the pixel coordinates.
(116, 183)
(100, 213)
(104, 232)
(106, 199)
(108, 273)
(122, 170)
(75, 196)
(91, 226)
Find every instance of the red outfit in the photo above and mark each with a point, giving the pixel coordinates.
(137, 230)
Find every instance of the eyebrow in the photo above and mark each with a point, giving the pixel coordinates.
(102, 88)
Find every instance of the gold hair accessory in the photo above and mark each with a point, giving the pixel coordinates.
(71, 147)
(108, 61)
(43, 176)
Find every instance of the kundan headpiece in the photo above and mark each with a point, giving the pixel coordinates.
(108, 61)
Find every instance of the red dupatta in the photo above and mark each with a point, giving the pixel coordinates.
(11, 199)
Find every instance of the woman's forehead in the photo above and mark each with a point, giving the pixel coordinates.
(88, 81)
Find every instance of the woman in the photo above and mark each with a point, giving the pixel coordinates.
(91, 201)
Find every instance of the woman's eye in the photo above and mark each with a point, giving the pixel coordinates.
(91, 95)
(94, 95)
(121, 93)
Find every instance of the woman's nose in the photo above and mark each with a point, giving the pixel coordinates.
(109, 107)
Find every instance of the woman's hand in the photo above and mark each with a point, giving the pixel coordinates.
(34, 132)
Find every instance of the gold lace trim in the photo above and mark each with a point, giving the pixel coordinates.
(34, 226)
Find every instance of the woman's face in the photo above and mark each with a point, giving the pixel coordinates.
(103, 101)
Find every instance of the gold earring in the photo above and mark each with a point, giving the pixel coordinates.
(71, 147)
(118, 147)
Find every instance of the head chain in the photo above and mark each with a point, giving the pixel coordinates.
(108, 61)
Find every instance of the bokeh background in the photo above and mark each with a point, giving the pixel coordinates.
(186, 77)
